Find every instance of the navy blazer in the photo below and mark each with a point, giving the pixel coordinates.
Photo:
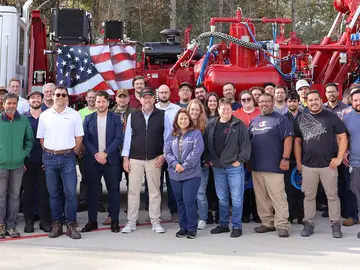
(114, 137)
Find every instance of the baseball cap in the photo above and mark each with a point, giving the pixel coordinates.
(301, 83)
(355, 90)
(35, 92)
(147, 91)
(122, 92)
(3, 89)
(185, 84)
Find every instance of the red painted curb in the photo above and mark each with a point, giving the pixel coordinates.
(46, 234)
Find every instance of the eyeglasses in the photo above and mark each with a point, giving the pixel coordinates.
(331, 92)
(246, 99)
(61, 95)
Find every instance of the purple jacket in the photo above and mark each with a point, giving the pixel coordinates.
(190, 158)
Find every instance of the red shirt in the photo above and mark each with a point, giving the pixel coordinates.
(134, 102)
(246, 117)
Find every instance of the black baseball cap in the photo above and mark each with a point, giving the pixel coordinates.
(147, 91)
(35, 93)
(185, 84)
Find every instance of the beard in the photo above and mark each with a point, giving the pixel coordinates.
(164, 100)
(35, 107)
(357, 109)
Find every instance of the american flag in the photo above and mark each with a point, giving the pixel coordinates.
(99, 67)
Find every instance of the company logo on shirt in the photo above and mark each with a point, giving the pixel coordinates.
(262, 124)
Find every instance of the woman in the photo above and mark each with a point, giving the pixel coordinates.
(246, 113)
(198, 116)
(183, 151)
(211, 105)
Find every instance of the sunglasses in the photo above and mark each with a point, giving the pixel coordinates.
(61, 95)
(246, 99)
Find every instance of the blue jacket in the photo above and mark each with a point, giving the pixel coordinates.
(192, 149)
(114, 137)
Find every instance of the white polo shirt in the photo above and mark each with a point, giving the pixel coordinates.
(170, 111)
(59, 129)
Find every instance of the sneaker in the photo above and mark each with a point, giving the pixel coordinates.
(29, 226)
(192, 235)
(13, 233)
(175, 218)
(350, 222)
(201, 225)
(45, 226)
(308, 229)
(235, 233)
(220, 229)
(336, 230)
(115, 228)
(181, 233)
(72, 232)
(56, 230)
(129, 227)
(264, 229)
(2, 231)
(283, 233)
(158, 228)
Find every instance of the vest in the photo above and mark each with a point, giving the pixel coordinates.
(147, 143)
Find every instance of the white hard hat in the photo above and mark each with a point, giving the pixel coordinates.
(301, 83)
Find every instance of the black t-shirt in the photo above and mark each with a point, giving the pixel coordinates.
(220, 134)
(318, 133)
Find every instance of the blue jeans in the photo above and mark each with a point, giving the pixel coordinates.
(202, 201)
(112, 177)
(230, 181)
(185, 193)
(60, 171)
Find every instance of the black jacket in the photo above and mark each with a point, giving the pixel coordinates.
(237, 145)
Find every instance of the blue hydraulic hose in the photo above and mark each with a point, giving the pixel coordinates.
(204, 65)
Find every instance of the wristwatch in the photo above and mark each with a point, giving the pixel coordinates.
(286, 158)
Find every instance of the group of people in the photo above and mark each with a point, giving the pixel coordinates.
(216, 154)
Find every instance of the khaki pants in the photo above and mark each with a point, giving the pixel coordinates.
(270, 194)
(309, 186)
(136, 177)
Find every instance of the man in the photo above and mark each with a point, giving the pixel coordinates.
(103, 136)
(302, 88)
(171, 110)
(295, 197)
(346, 99)
(280, 103)
(14, 87)
(200, 93)
(89, 109)
(3, 91)
(16, 140)
(34, 181)
(317, 158)
(271, 133)
(185, 93)
(48, 91)
(333, 104)
(269, 88)
(352, 159)
(347, 199)
(138, 83)
(256, 92)
(227, 148)
(229, 93)
(145, 134)
(60, 132)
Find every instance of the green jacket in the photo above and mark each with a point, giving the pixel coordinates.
(16, 141)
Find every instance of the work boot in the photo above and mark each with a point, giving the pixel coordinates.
(115, 228)
(264, 229)
(336, 230)
(2, 231)
(29, 226)
(90, 226)
(308, 229)
(56, 230)
(72, 232)
(45, 226)
(350, 222)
